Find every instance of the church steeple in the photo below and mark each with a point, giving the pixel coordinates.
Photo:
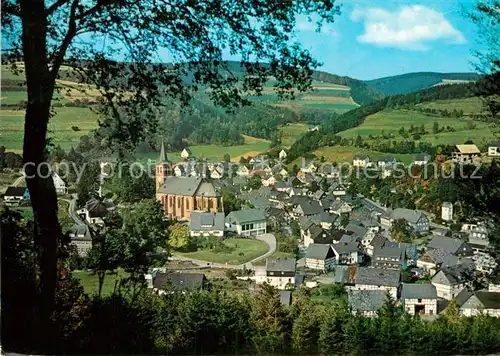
(163, 155)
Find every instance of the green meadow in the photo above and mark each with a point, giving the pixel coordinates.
(291, 133)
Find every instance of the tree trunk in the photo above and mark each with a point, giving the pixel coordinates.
(40, 84)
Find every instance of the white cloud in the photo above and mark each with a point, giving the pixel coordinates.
(304, 25)
(411, 27)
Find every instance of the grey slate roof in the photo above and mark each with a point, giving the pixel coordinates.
(454, 275)
(389, 250)
(318, 251)
(366, 300)
(15, 191)
(310, 208)
(80, 233)
(445, 243)
(378, 276)
(189, 186)
(418, 291)
(412, 216)
(319, 235)
(358, 230)
(204, 221)
(179, 281)
(348, 247)
(246, 216)
(280, 264)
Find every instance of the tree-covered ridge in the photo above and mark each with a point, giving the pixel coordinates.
(361, 92)
(326, 136)
(411, 82)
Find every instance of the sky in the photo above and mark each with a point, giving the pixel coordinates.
(377, 38)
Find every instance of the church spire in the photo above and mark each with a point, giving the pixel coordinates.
(163, 155)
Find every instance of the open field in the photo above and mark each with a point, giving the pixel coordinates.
(291, 133)
(345, 154)
(90, 282)
(468, 105)
(252, 147)
(244, 251)
(391, 121)
(60, 126)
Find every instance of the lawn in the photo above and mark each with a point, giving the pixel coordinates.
(252, 147)
(337, 107)
(391, 121)
(345, 154)
(60, 126)
(90, 282)
(469, 106)
(244, 250)
(291, 133)
(277, 254)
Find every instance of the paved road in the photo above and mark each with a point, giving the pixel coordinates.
(270, 239)
(72, 210)
(18, 181)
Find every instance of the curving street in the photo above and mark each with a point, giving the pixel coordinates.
(72, 210)
(270, 239)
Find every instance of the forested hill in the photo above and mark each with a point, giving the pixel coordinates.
(326, 135)
(411, 82)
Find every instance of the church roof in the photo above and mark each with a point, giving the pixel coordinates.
(163, 154)
(188, 186)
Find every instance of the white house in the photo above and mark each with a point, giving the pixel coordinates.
(81, 238)
(94, 211)
(421, 159)
(450, 281)
(346, 253)
(419, 299)
(268, 180)
(16, 195)
(282, 154)
(447, 211)
(320, 257)
(279, 272)
(247, 222)
(360, 160)
(372, 278)
(387, 162)
(243, 171)
(186, 153)
(59, 184)
(474, 303)
(206, 224)
(216, 173)
(494, 149)
(466, 154)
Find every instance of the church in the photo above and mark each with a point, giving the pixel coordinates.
(180, 196)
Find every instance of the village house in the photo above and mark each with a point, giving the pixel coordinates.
(177, 282)
(81, 239)
(316, 234)
(279, 273)
(268, 180)
(469, 154)
(247, 222)
(450, 281)
(59, 184)
(216, 172)
(372, 278)
(340, 207)
(387, 162)
(16, 195)
(282, 155)
(242, 171)
(419, 299)
(360, 160)
(338, 189)
(477, 235)
(366, 302)
(206, 224)
(96, 210)
(421, 159)
(389, 255)
(307, 208)
(186, 153)
(311, 167)
(453, 246)
(320, 257)
(347, 253)
(329, 171)
(494, 149)
(474, 303)
(180, 170)
(417, 220)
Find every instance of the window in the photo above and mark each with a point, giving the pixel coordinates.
(420, 300)
(178, 202)
(187, 203)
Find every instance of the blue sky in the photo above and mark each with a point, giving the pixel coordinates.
(377, 38)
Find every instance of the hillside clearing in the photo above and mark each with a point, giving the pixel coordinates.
(340, 154)
(291, 133)
(469, 106)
